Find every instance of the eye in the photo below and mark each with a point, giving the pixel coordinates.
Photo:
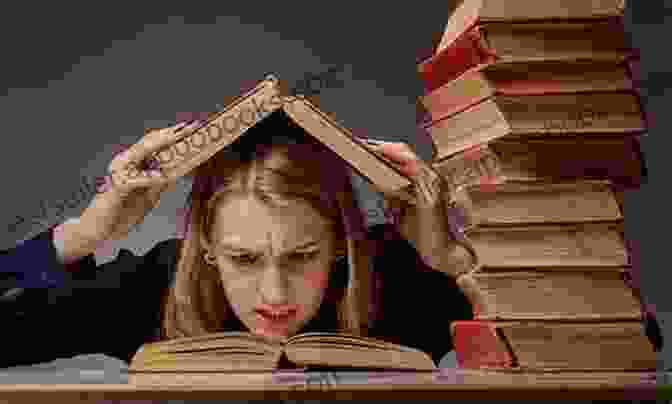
(245, 259)
(304, 256)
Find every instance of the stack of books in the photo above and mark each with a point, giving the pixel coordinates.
(539, 97)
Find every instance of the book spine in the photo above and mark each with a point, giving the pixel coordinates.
(531, 160)
(458, 95)
(480, 124)
(521, 203)
(563, 83)
(466, 52)
(541, 246)
(478, 344)
(192, 149)
(555, 10)
(573, 114)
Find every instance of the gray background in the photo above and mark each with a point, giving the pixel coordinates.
(79, 81)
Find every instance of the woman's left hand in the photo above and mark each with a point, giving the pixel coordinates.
(429, 225)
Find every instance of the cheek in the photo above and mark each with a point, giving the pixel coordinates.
(315, 279)
(309, 290)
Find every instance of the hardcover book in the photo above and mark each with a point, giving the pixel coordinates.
(239, 351)
(595, 244)
(546, 346)
(619, 159)
(554, 294)
(525, 42)
(473, 12)
(533, 78)
(519, 203)
(224, 127)
(579, 116)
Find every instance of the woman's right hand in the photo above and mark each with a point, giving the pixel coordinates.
(135, 190)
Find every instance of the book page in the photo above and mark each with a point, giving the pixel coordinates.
(346, 340)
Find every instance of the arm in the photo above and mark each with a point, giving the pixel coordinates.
(45, 261)
(110, 309)
(71, 242)
(435, 230)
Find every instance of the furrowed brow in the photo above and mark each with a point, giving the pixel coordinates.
(237, 248)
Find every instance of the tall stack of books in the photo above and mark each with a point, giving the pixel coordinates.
(539, 96)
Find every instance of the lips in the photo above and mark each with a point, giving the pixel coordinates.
(274, 316)
(275, 321)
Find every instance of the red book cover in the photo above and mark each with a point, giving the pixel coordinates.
(473, 86)
(439, 104)
(478, 345)
(467, 50)
(464, 53)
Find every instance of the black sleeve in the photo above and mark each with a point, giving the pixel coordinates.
(416, 303)
(110, 309)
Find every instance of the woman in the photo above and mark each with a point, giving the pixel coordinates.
(271, 245)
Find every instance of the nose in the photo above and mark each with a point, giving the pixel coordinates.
(274, 287)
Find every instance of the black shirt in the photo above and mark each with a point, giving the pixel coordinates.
(114, 308)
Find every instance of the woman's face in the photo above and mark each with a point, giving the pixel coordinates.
(274, 262)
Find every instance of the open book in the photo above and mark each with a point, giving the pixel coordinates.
(241, 351)
(224, 127)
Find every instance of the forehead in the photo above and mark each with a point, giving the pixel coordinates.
(249, 222)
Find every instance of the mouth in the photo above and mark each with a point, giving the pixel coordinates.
(274, 321)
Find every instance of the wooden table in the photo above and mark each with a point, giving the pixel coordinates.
(440, 384)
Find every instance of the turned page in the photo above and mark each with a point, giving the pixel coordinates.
(349, 351)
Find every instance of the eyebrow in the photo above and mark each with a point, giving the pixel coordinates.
(233, 247)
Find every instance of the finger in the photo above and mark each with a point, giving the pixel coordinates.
(393, 150)
(152, 142)
(161, 139)
(398, 152)
(402, 150)
(126, 181)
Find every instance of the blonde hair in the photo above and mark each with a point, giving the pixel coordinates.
(277, 163)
